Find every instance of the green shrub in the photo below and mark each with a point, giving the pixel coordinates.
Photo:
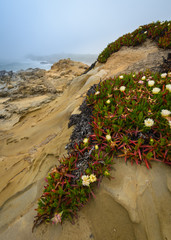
(159, 32)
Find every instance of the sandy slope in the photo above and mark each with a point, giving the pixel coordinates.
(136, 205)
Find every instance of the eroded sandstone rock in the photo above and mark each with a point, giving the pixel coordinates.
(29, 90)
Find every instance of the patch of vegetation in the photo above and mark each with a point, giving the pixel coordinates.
(131, 119)
(131, 116)
(65, 194)
(159, 32)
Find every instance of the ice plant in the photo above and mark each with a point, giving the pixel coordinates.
(122, 88)
(108, 137)
(157, 32)
(141, 82)
(85, 180)
(121, 129)
(85, 141)
(165, 113)
(168, 87)
(93, 178)
(121, 77)
(151, 83)
(97, 93)
(108, 101)
(163, 75)
(148, 122)
(57, 218)
(155, 90)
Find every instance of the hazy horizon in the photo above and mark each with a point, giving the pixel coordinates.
(43, 28)
(45, 57)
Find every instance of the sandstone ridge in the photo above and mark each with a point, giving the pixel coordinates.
(33, 136)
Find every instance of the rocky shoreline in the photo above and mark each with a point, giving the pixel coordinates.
(27, 91)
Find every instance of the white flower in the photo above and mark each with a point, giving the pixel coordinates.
(168, 24)
(85, 140)
(122, 88)
(151, 83)
(143, 78)
(140, 27)
(169, 74)
(163, 75)
(155, 90)
(85, 177)
(108, 137)
(168, 87)
(108, 101)
(86, 183)
(161, 23)
(165, 113)
(148, 122)
(145, 32)
(97, 93)
(96, 147)
(121, 76)
(85, 180)
(93, 178)
(133, 75)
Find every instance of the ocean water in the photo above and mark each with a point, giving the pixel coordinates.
(23, 65)
(43, 62)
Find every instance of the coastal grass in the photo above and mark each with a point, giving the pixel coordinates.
(131, 119)
(158, 31)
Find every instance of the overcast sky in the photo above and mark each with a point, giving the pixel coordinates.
(43, 27)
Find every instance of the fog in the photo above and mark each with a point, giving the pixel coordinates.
(44, 27)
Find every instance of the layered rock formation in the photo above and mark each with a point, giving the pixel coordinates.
(135, 205)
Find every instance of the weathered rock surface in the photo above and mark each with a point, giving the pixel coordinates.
(136, 59)
(135, 205)
(27, 91)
